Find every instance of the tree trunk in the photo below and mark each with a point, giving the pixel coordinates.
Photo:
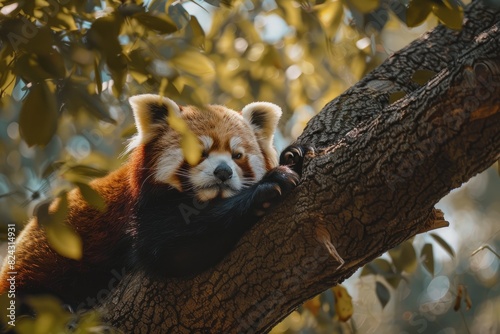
(372, 184)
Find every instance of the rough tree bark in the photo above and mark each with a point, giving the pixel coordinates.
(380, 170)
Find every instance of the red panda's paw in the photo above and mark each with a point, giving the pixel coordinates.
(275, 185)
(293, 156)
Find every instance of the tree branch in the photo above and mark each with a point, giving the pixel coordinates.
(380, 170)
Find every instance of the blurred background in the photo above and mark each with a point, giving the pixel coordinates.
(68, 67)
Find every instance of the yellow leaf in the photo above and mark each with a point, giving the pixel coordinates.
(365, 6)
(313, 305)
(89, 321)
(91, 196)
(194, 63)
(422, 76)
(139, 77)
(179, 83)
(50, 316)
(177, 123)
(452, 17)
(64, 240)
(60, 235)
(291, 13)
(159, 23)
(190, 145)
(330, 14)
(191, 148)
(343, 303)
(417, 12)
(358, 65)
(396, 96)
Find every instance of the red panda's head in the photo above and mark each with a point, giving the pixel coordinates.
(237, 146)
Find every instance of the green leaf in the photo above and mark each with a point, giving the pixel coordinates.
(179, 15)
(404, 257)
(78, 97)
(383, 293)
(450, 16)
(60, 236)
(98, 78)
(394, 280)
(421, 77)
(50, 316)
(53, 167)
(47, 303)
(42, 42)
(427, 257)
(367, 270)
(396, 96)
(139, 62)
(89, 321)
(62, 21)
(417, 12)
(91, 196)
(42, 213)
(53, 63)
(128, 131)
(38, 118)
(162, 24)
(443, 244)
(103, 35)
(27, 66)
(378, 267)
(87, 171)
(7, 81)
(195, 33)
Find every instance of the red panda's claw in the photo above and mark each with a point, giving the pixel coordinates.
(293, 156)
(275, 185)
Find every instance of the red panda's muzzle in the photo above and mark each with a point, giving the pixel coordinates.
(223, 172)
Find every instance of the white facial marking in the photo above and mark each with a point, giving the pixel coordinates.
(207, 142)
(235, 143)
(258, 165)
(207, 185)
(168, 164)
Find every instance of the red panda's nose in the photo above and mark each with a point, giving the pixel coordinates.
(223, 172)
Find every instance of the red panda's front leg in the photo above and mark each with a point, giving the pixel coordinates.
(273, 187)
(172, 247)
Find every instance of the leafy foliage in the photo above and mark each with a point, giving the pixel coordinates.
(427, 256)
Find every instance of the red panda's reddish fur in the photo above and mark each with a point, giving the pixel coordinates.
(41, 269)
(106, 234)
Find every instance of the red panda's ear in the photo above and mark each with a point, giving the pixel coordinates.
(149, 111)
(263, 117)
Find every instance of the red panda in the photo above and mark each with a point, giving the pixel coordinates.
(164, 215)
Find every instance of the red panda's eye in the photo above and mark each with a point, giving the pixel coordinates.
(237, 156)
(204, 154)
